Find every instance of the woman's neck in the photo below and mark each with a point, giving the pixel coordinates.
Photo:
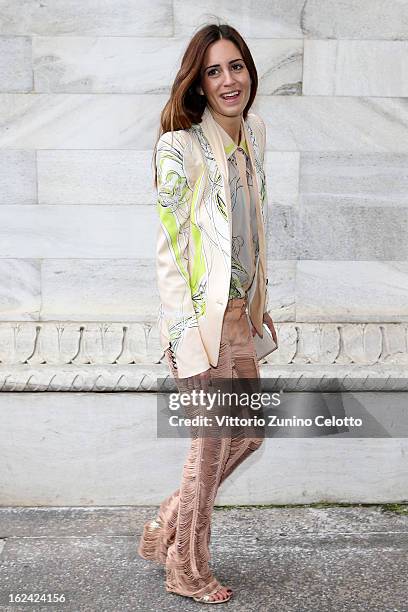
(232, 125)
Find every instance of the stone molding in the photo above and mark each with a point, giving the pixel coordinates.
(81, 343)
(111, 356)
(150, 378)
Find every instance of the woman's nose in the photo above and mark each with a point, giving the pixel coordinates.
(228, 79)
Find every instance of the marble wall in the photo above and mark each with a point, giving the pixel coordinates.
(79, 452)
(82, 85)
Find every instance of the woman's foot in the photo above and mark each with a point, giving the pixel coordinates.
(223, 594)
(214, 592)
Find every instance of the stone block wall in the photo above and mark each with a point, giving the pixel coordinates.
(82, 85)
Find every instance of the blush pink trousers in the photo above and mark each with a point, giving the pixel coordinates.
(179, 537)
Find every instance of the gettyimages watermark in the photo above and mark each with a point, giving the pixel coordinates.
(241, 407)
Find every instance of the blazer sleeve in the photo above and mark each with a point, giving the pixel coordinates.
(266, 307)
(262, 129)
(173, 206)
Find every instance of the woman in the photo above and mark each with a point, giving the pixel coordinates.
(211, 271)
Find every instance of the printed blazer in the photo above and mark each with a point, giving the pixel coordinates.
(193, 253)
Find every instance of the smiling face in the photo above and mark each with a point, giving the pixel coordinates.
(224, 71)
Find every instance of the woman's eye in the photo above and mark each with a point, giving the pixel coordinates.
(211, 72)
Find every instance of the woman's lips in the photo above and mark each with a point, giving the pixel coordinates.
(231, 100)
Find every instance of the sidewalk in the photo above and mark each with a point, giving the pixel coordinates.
(288, 559)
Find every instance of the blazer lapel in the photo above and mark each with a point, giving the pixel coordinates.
(257, 303)
(215, 141)
(217, 155)
(256, 164)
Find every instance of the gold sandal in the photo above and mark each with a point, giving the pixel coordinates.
(171, 588)
(207, 598)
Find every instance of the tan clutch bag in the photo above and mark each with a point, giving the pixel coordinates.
(264, 345)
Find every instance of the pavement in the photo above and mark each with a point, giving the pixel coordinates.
(283, 559)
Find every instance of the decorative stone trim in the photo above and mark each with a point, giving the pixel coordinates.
(60, 342)
(152, 378)
(104, 356)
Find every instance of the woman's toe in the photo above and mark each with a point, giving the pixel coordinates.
(222, 593)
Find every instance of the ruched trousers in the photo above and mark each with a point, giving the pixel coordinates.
(180, 535)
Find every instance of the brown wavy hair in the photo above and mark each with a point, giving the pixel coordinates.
(185, 105)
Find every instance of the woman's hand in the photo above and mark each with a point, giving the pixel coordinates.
(268, 320)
